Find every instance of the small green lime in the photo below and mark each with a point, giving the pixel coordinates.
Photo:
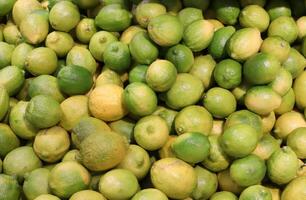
(85, 29)
(228, 73)
(278, 8)
(181, 56)
(254, 16)
(12, 79)
(288, 101)
(224, 195)
(296, 140)
(6, 52)
(150, 193)
(9, 187)
(266, 146)
(256, 192)
(227, 11)
(9, 141)
(284, 27)
(4, 102)
(138, 74)
(282, 82)
(189, 15)
(60, 42)
(277, 47)
(147, 11)
(295, 63)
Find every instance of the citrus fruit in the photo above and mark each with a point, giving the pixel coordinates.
(87, 194)
(138, 74)
(46, 197)
(85, 29)
(4, 102)
(256, 192)
(128, 34)
(284, 27)
(72, 155)
(282, 82)
(296, 140)
(6, 7)
(266, 146)
(181, 56)
(278, 8)
(166, 150)
(226, 183)
(299, 89)
(150, 193)
(288, 101)
(174, 177)
(228, 73)
(227, 11)
(223, 195)
(147, 11)
(60, 42)
(24, 7)
(254, 16)
(301, 23)
(20, 53)
(108, 76)
(6, 54)
(10, 189)
(12, 34)
(276, 46)
(189, 14)
(12, 79)
(295, 63)
(295, 189)
(124, 127)
(9, 141)
(168, 115)
(268, 122)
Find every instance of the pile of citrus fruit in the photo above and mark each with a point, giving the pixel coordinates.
(152, 99)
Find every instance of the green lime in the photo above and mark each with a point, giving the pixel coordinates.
(43, 111)
(181, 56)
(24, 7)
(45, 85)
(268, 122)
(36, 183)
(248, 171)
(295, 189)
(147, 11)
(12, 103)
(87, 194)
(288, 122)
(284, 27)
(46, 197)
(161, 75)
(9, 141)
(217, 47)
(193, 119)
(6, 51)
(108, 76)
(23, 93)
(196, 153)
(21, 127)
(224, 195)
(198, 35)
(118, 184)
(282, 166)
(64, 16)
(138, 74)
(262, 68)
(288, 101)
(4, 102)
(180, 94)
(125, 127)
(168, 115)
(82, 57)
(12, 34)
(254, 16)
(277, 47)
(137, 161)
(296, 141)
(150, 193)
(127, 35)
(226, 183)
(67, 178)
(262, 100)
(207, 183)
(117, 56)
(295, 63)
(174, 177)
(20, 54)
(299, 90)
(151, 132)
(239, 140)
(20, 161)
(102, 150)
(6, 7)
(73, 109)
(12, 79)
(142, 49)
(165, 30)
(72, 155)
(228, 73)
(202, 68)
(139, 99)
(60, 42)
(10, 189)
(301, 24)
(113, 17)
(189, 15)
(227, 11)
(85, 29)
(244, 43)
(256, 192)
(282, 82)
(219, 102)
(278, 8)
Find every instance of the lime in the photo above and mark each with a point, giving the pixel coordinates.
(23, 94)
(45, 85)
(151, 132)
(244, 43)
(277, 47)
(60, 42)
(6, 7)
(46, 197)
(299, 89)
(226, 183)
(202, 68)
(108, 76)
(181, 56)
(216, 23)
(284, 27)
(127, 35)
(193, 119)
(20, 53)
(147, 11)
(4, 102)
(288, 122)
(248, 171)
(275, 192)
(102, 150)
(150, 193)
(228, 73)
(288, 101)
(64, 16)
(282, 166)
(165, 30)
(12, 34)
(282, 82)
(9, 141)
(174, 177)
(207, 183)
(278, 8)
(262, 100)
(295, 63)
(295, 189)
(10, 189)
(142, 49)
(12, 79)
(161, 75)
(262, 68)
(166, 150)
(85, 29)
(198, 35)
(24, 7)
(124, 127)
(254, 16)
(137, 161)
(72, 155)
(168, 115)
(67, 178)
(268, 122)
(113, 17)
(87, 194)
(224, 195)
(239, 140)
(296, 141)
(256, 192)
(187, 90)
(301, 24)
(226, 11)
(118, 184)
(219, 102)
(139, 99)
(36, 183)
(138, 74)
(217, 47)
(6, 54)
(189, 15)
(20, 161)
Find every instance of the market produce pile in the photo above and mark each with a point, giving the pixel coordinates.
(152, 100)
